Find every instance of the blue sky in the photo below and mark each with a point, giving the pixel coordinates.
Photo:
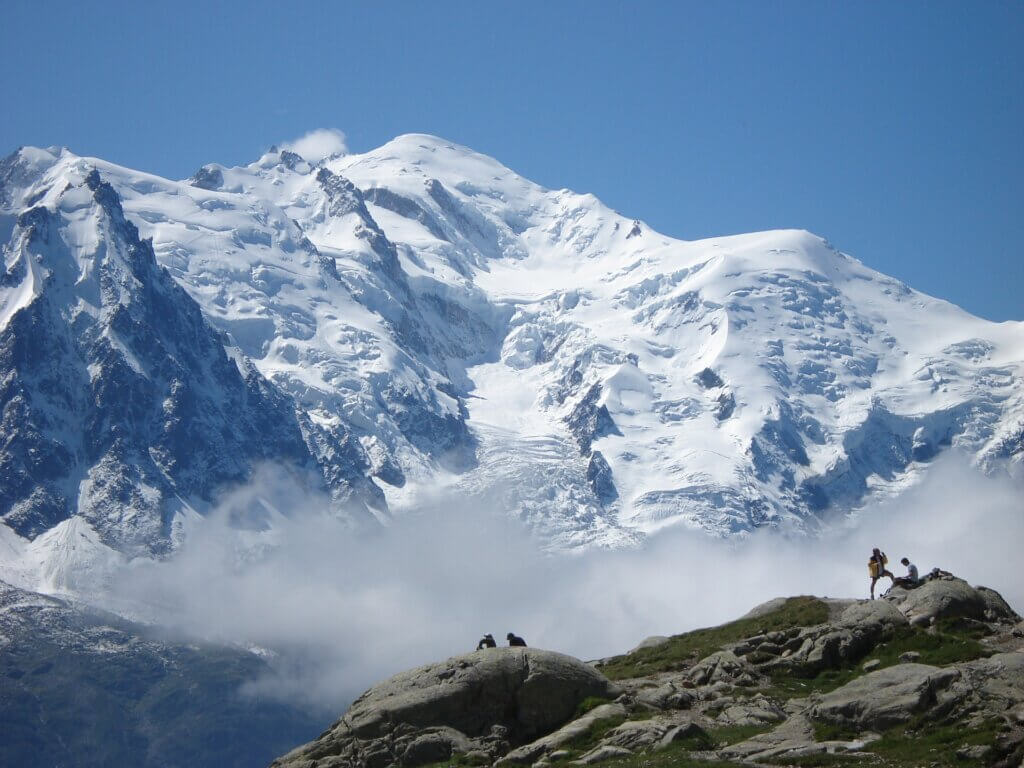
(896, 130)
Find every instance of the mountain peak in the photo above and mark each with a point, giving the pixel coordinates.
(428, 314)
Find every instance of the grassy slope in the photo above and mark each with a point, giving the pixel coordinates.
(901, 747)
(683, 650)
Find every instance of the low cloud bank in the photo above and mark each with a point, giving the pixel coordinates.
(318, 144)
(343, 609)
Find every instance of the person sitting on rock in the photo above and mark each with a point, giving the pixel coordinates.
(515, 641)
(909, 581)
(876, 567)
(487, 641)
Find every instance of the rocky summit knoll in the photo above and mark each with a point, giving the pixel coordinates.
(931, 676)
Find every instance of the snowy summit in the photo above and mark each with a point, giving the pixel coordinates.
(421, 317)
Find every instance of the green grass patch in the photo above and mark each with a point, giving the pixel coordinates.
(962, 627)
(734, 734)
(597, 731)
(682, 651)
(676, 756)
(909, 745)
(905, 747)
(831, 732)
(824, 760)
(589, 703)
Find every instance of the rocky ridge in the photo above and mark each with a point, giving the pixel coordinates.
(934, 673)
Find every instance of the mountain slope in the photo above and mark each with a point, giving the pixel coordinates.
(436, 321)
(83, 688)
(120, 403)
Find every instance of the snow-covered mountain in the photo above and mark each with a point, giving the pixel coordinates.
(421, 317)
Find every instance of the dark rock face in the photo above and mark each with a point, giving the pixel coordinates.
(726, 405)
(485, 701)
(344, 199)
(208, 177)
(114, 384)
(599, 474)
(709, 379)
(109, 693)
(406, 207)
(588, 421)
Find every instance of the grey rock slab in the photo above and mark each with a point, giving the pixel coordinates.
(637, 735)
(886, 697)
(528, 753)
(599, 754)
(754, 712)
(679, 733)
(999, 680)
(794, 731)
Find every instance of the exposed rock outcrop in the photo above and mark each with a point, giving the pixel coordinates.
(487, 702)
(780, 683)
(950, 597)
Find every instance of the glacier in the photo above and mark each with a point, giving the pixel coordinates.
(420, 319)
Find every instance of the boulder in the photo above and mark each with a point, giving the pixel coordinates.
(999, 681)
(996, 608)
(888, 696)
(720, 667)
(666, 696)
(487, 700)
(943, 598)
(756, 711)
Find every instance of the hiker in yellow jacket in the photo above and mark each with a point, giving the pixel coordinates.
(876, 568)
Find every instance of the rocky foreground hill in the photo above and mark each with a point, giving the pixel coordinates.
(932, 676)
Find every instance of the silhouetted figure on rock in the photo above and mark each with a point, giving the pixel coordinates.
(515, 641)
(487, 641)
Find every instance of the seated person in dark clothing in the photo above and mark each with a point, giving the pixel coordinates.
(514, 640)
(487, 641)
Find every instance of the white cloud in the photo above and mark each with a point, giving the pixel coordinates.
(346, 609)
(318, 144)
